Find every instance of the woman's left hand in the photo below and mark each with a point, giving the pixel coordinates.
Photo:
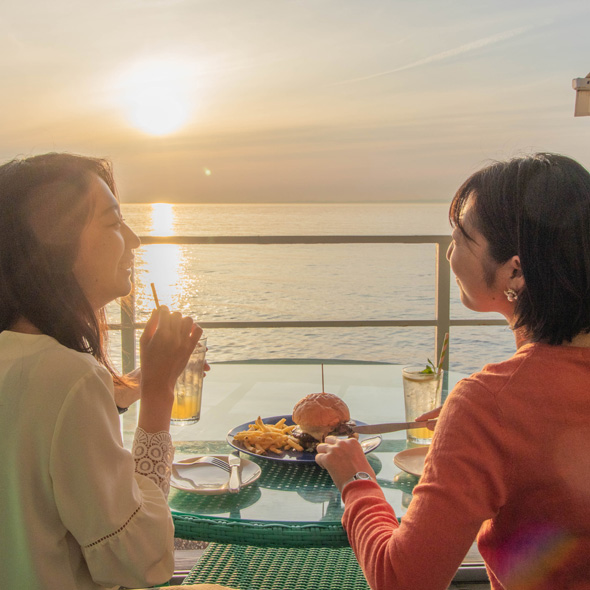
(128, 394)
(342, 457)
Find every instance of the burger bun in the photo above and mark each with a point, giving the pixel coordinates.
(318, 414)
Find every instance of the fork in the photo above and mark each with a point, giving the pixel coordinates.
(211, 460)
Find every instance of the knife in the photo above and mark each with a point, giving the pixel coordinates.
(392, 427)
(234, 472)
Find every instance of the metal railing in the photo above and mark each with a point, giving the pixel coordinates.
(441, 323)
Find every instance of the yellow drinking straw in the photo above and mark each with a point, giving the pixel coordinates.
(443, 352)
(155, 295)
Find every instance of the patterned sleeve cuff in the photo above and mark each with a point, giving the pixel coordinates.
(153, 454)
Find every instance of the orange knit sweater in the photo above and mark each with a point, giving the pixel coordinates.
(509, 464)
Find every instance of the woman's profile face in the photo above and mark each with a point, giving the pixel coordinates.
(476, 273)
(105, 256)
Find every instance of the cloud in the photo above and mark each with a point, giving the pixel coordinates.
(467, 48)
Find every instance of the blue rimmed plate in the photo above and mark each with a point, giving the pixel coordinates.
(369, 442)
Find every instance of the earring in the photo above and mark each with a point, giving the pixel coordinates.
(511, 295)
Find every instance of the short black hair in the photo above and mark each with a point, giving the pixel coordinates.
(537, 207)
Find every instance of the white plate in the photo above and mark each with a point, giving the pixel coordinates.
(204, 478)
(411, 460)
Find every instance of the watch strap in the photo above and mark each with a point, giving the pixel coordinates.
(358, 476)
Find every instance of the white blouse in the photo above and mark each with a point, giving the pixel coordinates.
(78, 511)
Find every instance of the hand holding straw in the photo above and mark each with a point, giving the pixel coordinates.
(155, 295)
(443, 352)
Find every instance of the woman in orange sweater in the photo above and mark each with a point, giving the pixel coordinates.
(509, 462)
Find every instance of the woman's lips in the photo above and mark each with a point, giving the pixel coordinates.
(127, 265)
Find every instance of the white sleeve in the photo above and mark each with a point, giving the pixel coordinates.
(153, 454)
(120, 518)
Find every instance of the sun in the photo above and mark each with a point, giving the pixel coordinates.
(156, 95)
(159, 113)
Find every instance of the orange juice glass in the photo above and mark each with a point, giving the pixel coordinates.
(188, 392)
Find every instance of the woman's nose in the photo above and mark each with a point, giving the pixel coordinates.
(131, 238)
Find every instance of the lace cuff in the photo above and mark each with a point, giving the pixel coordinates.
(153, 454)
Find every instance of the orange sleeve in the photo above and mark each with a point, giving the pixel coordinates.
(463, 485)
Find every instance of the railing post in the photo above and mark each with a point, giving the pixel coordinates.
(442, 298)
(128, 331)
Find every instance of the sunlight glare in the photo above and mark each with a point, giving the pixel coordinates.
(156, 95)
(159, 113)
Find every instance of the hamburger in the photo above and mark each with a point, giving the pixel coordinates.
(318, 415)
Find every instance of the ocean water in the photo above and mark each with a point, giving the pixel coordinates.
(305, 282)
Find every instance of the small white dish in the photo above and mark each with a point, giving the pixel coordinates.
(411, 460)
(204, 478)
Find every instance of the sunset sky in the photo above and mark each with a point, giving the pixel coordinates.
(293, 100)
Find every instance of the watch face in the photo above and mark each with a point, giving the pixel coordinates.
(362, 475)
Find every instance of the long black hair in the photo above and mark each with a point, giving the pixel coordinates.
(537, 207)
(44, 206)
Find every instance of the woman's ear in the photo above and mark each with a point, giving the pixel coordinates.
(516, 278)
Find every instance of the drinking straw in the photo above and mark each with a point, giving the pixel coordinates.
(155, 295)
(322, 377)
(443, 352)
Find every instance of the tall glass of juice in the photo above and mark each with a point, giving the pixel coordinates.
(188, 391)
(422, 393)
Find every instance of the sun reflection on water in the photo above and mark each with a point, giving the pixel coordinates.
(162, 219)
(160, 263)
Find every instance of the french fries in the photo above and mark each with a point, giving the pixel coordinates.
(261, 438)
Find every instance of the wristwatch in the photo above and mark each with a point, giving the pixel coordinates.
(358, 475)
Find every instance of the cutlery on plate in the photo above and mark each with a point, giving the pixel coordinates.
(215, 461)
(392, 427)
(234, 472)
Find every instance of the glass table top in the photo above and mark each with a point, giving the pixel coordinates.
(235, 393)
(291, 492)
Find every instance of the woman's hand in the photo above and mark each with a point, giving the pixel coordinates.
(165, 348)
(342, 457)
(430, 416)
(128, 394)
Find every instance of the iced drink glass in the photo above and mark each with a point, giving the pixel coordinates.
(422, 393)
(188, 391)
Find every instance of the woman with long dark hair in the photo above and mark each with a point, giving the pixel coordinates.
(78, 511)
(509, 461)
